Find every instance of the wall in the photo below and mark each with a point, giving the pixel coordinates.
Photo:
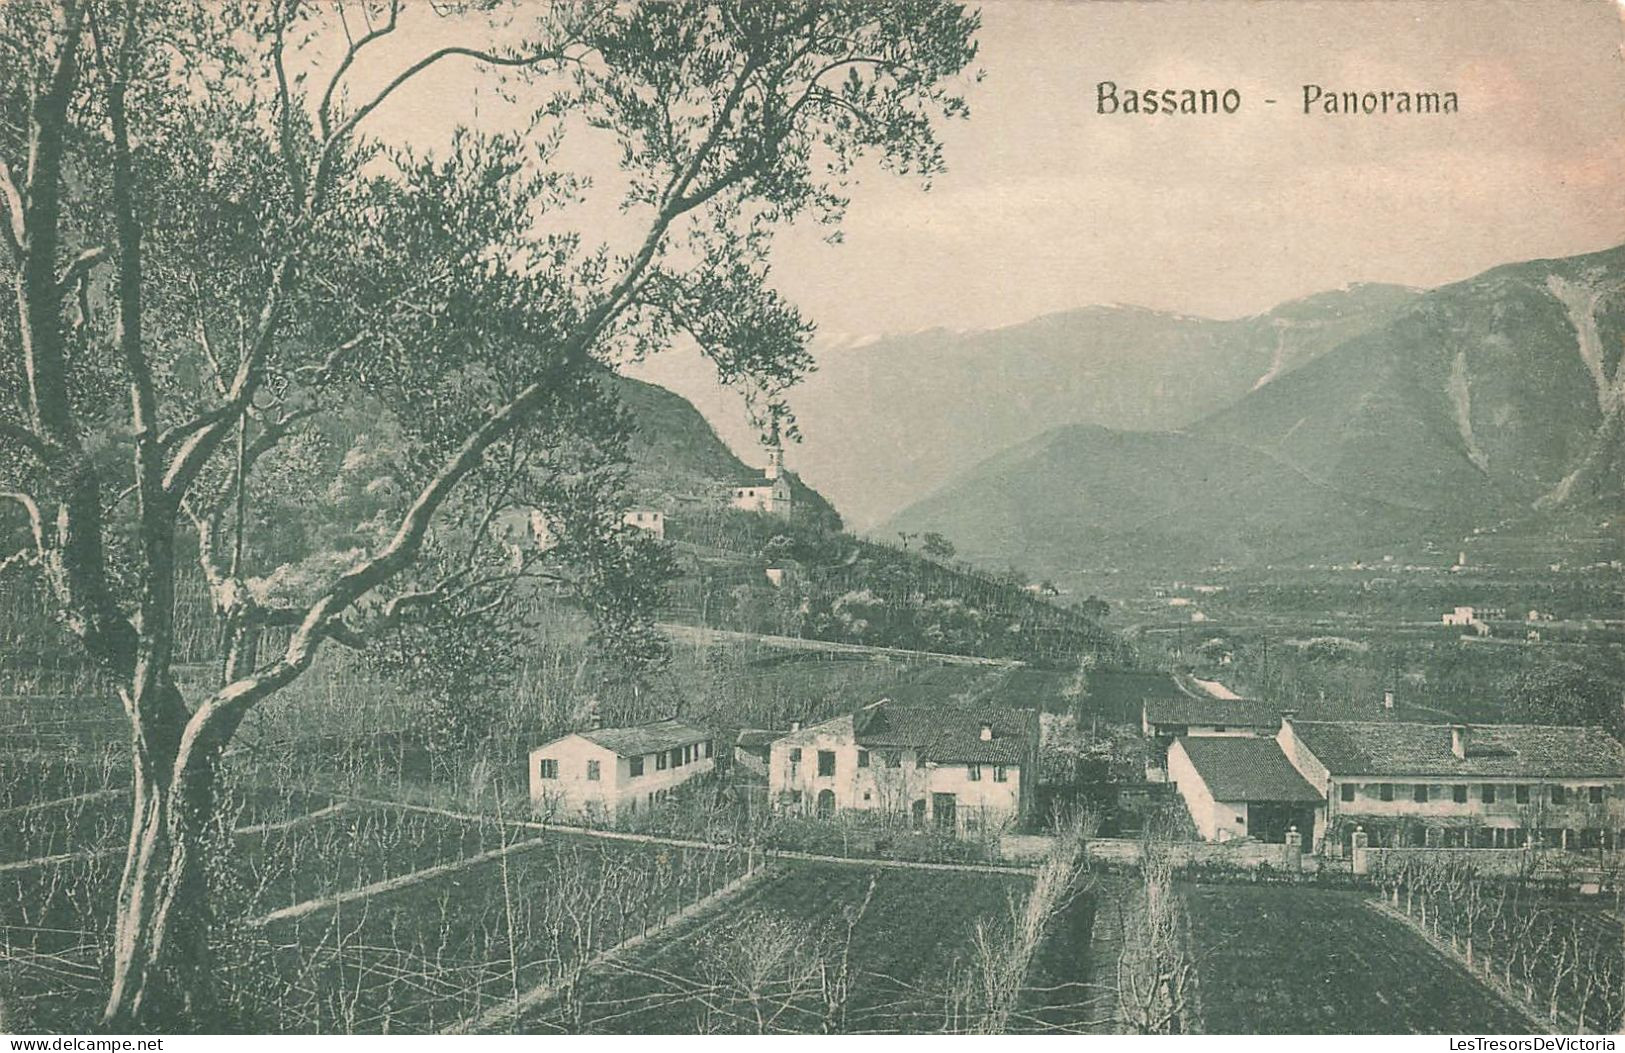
(633, 794)
(784, 777)
(1500, 862)
(996, 802)
(1198, 801)
(1248, 854)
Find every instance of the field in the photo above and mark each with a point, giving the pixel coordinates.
(345, 917)
(1281, 960)
(778, 957)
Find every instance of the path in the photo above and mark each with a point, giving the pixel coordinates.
(700, 635)
(680, 842)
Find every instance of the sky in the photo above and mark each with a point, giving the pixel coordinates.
(1048, 205)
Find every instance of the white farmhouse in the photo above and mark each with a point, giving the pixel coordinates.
(957, 771)
(602, 773)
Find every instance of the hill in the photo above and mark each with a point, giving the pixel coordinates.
(828, 584)
(1492, 400)
(679, 462)
(886, 422)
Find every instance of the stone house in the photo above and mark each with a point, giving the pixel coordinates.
(958, 771)
(599, 774)
(646, 519)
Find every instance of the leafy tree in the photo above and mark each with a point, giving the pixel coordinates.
(218, 273)
(936, 547)
(1565, 693)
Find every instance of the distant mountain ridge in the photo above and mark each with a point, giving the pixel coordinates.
(1502, 396)
(889, 420)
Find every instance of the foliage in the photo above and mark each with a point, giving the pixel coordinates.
(1565, 693)
(218, 272)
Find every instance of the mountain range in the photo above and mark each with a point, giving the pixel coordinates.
(887, 421)
(1498, 398)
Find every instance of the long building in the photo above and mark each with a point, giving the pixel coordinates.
(602, 773)
(1408, 784)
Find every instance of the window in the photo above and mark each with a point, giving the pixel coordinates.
(676, 758)
(974, 772)
(1219, 729)
(708, 747)
(1420, 793)
(1596, 794)
(1458, 793)
(548, 769)
(1001, 773)
(795, 755)
(1385, 791)
(660, 760)
(592, 771)
(1487, 793)
(1559, 794)
(863, 758)
(1347, 791)
(637, 766)
(826, 763)
(1520, 793)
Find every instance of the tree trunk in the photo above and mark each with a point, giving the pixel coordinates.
(162, 975)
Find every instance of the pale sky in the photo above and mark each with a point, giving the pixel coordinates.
(1049, 206)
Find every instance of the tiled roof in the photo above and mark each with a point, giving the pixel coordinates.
(1236, 768)
(1525, 750)
(1216, 711)
(757, 738)
(639, 739)
(948, 735)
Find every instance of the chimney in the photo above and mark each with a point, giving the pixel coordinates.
(795, 726)
(1458, 741)
(987, 733)
(1388, 701)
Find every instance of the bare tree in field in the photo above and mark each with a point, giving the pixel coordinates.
(226, 291)
(1156, 972)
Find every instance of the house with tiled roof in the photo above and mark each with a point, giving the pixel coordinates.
(1242, 787)
(601, 773)
(1407, 784)
(937, 765)
(1463, 786)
